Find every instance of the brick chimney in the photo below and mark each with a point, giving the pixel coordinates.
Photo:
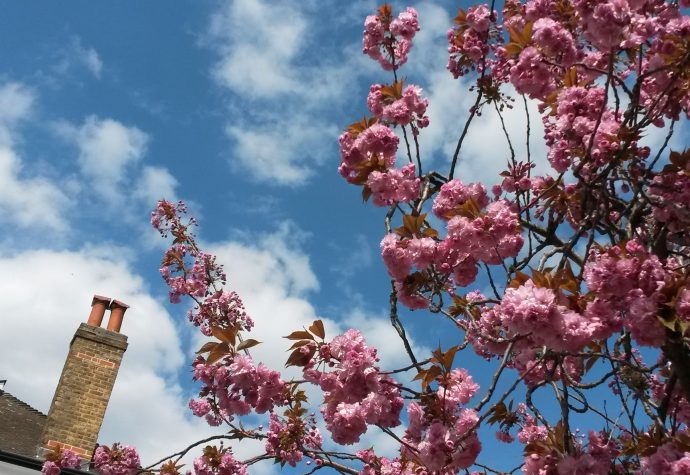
(87, 380)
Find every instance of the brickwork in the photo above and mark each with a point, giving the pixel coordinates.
(82, 395)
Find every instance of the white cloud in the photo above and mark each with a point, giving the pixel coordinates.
(108, 150)
(285, 154)
(16, 103)
(155, 183)
(258, 43)
(29, 202)
(25, 200)
(78, 55)
(40, 319)
(261, 48)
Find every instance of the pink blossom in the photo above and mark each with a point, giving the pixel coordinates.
(357, 394)
(394, 185)
(286, 438)
(59, 459)
(406, 108)
(454, 194)
(388, 40)
(554, 41)
(531, 76)
(116, 460)
(373, 148)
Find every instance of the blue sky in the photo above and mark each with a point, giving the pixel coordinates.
(235, 107)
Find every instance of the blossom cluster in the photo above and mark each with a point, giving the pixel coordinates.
(235, 386)
(478, 231)
(355, 391)
(287, 437)
(670, 194)
(116, 460)
(58, 459)
(666, 460)
(441, 432)
(469, 40)
(368, 158)
(188, 271)
(388, 40)
(629, 284)
(218, 462)
(596, 459)
(399, 106)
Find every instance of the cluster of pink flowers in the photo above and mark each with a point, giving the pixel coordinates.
(399, 107)
(374, 465)
(116, 460)
(670, 192)
(235, 386)
(673, 31)
(363, 151)
(389, 40)
(572, 133)
(544, 315)
(368, 158)
(356, 393)
(484, 231)
(666, 460)
(478, 231)
(491, 237)
(287, 438)
(531, 75)
(221, 309)
(596, 459)
(56, 461)
(215, 462)
(628, 283)
(191, 272)
(469, 41)
(441, 433)
(396, 185)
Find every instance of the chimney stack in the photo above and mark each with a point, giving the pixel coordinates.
(87, 380)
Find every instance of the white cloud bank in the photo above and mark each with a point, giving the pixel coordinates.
(26, 200)
(49, 294)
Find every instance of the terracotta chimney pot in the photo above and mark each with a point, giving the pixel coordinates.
(99, 304)
(117, 312)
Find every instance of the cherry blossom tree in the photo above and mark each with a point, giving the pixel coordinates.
(573, 283)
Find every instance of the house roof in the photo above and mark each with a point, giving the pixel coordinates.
(21, 426)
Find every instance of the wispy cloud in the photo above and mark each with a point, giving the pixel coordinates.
(77, 56)
(261, 50)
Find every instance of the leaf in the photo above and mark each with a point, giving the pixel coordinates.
(668, 323)
(431, 374)
(226, 335)
(499, 413)
(570, 77)
(358, 127)
(299, 335)
(246, 344)
(519, 279)
(221, 350)
(298, 358)
(206, 347)
(366, 193)
(449, 356)
(299, 344)
(317, 329)
(591, 360)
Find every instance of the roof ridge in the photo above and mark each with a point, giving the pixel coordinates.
(22, 403)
